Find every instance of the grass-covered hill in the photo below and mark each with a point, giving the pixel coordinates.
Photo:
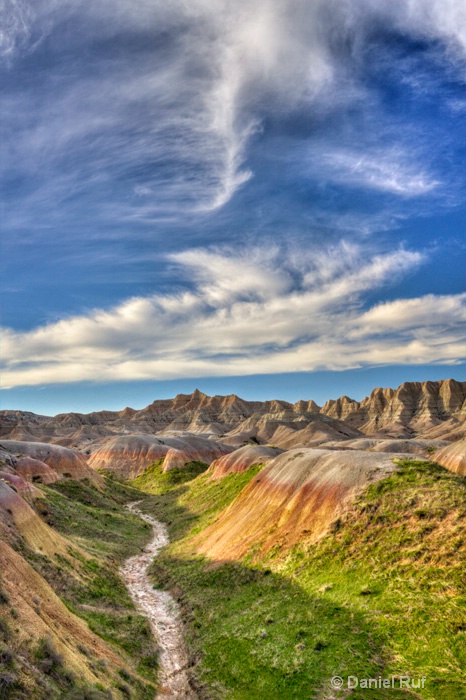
(382, 595)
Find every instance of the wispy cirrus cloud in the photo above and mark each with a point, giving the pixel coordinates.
(15, 21)
(166, 130)
(182, 111)
(386, 170)
(428, 314)
(290, 313)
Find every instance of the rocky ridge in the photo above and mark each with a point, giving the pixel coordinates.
(414, 409)
(197, 427)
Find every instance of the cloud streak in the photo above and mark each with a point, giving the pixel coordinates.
(386, 170)
(184, 112)
(15, 21)
(289, 313)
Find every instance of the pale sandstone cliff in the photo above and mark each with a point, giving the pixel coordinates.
(431, 410)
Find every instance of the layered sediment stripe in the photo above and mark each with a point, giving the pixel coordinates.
(297, 496)
(241, 459)
(453, 457)
(130, 455)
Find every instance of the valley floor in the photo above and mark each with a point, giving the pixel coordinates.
(161, 611)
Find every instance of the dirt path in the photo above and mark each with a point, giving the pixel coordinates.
(162, 612)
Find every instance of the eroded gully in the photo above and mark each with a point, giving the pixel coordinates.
(162, 613)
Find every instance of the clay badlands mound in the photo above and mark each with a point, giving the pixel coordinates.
(298, 495)
(241, 459)
(47, 649)
(453, 457)
(232, 434)
(40, 462)
(416, 418)
(130, 455)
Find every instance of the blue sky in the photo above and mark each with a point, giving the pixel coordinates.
(267, 198)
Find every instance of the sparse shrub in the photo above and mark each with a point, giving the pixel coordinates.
(124, 689)
(148, 663)
(68, 677)
(320, 644)
(4, 629)
(124, 674)
(48, 657)
(6, 656)
(421, 513)
(366, 591)
(8, 681)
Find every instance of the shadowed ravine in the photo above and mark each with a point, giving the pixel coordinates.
(162, 613)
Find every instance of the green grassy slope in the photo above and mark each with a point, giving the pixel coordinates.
(382, 595)
(100, 525)
(96, 522)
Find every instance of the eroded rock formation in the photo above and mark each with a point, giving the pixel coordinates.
(434, 410)
(43, 462)
(412, 409)
(296, 497)
(241, 459)
(453, 457)
(130, 455)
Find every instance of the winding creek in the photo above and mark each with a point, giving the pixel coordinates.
(162, 612)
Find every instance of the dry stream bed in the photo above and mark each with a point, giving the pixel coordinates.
(162, 613)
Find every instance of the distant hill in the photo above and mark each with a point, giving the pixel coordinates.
(432, 410)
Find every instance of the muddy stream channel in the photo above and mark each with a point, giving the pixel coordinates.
(162, 613)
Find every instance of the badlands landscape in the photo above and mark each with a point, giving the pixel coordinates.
(212, 547)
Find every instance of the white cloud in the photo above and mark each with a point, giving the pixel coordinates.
(15, 20)
(291, 313)
(384, 169)
(428, 313)
(230, 65)
(443, 20)
(223, 278)
(201, 103)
